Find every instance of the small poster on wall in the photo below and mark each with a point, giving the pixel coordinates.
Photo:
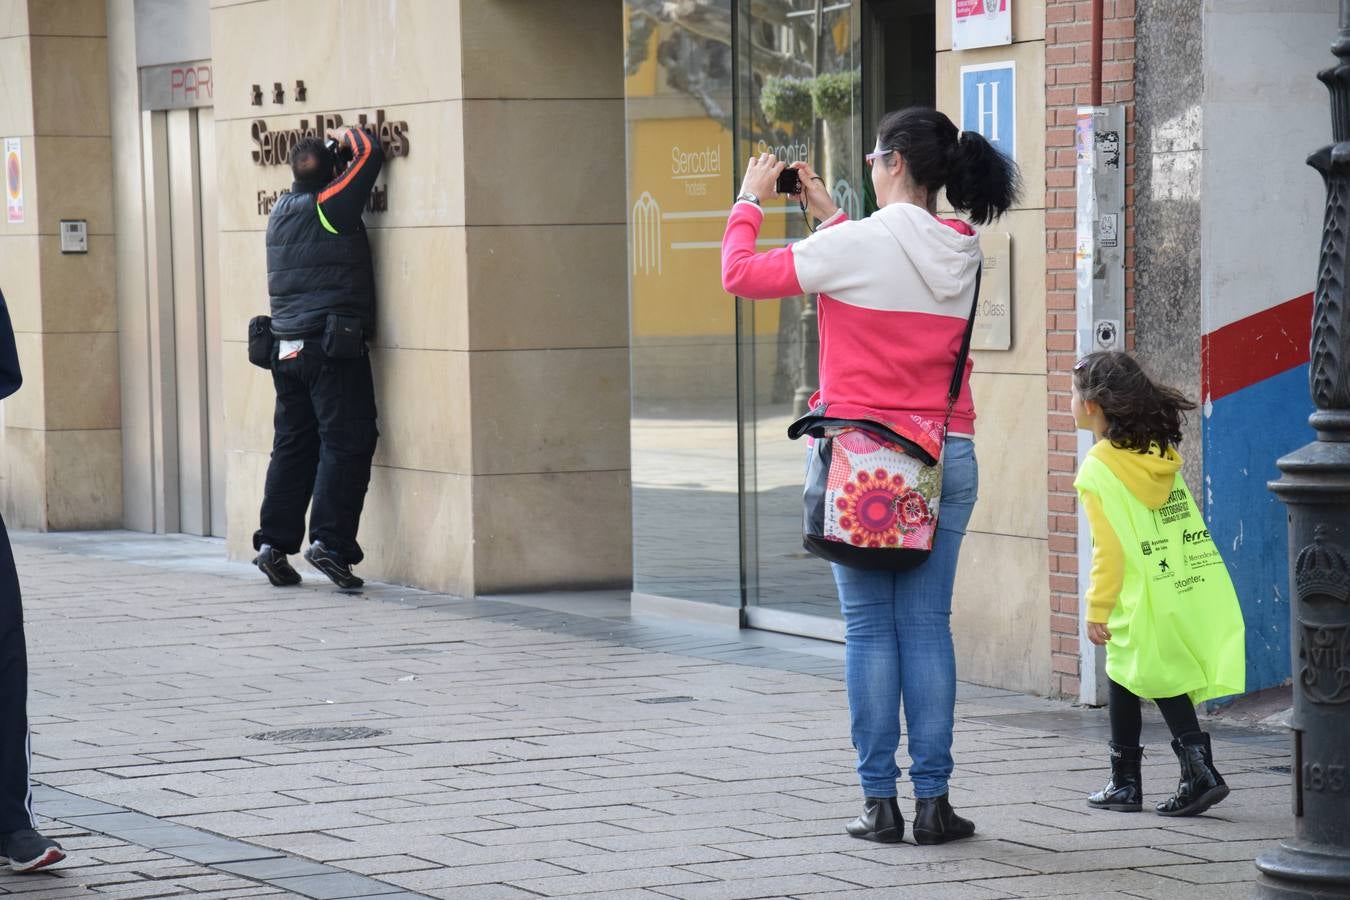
(981, 23)
(13, 182)
(988, 103)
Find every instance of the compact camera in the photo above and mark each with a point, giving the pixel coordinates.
(789, 182)
(340, 155)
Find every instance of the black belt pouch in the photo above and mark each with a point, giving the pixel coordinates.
(260, 342)
(342, 337)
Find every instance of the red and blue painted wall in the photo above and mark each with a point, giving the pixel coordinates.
(1254, 377)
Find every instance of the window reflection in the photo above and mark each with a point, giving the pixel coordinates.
(681, 177)
(800, 77)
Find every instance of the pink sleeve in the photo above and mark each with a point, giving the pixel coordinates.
(754, 276)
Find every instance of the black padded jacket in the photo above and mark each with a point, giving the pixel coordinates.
(318, 257)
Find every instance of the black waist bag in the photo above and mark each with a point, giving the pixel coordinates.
(342, 337)
(260, 342)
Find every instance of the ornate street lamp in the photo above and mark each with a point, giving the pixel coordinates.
(1316, 490)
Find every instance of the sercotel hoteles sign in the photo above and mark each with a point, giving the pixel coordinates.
(273, 148)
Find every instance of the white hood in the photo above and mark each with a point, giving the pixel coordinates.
(898, 258)
(942, 256)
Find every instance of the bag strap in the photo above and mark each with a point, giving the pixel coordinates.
(954, 391)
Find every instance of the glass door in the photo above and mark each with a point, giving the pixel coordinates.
(799, 92)
(715, 381)
(681, 171)
(813, 77)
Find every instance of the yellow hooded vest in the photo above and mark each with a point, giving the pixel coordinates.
(1176, 626)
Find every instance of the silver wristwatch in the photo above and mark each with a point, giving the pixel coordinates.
(746, 195)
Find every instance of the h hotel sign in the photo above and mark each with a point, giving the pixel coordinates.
(988, 103)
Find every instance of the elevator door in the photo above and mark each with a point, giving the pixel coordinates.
(185, 299)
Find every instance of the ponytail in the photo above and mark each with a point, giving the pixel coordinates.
(980, 181)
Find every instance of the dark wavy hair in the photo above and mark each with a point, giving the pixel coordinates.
(1139, 412)
(980, 181)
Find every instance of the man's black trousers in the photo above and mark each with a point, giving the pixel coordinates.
(325, 438)
(16, 798)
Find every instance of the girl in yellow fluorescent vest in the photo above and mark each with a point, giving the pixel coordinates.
(1160, 599)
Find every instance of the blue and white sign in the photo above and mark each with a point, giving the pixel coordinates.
(988, 103)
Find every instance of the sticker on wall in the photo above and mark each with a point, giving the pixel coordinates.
(987, 103)
(981, 23)
(13, 181)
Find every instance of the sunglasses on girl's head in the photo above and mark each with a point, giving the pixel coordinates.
(876, 155)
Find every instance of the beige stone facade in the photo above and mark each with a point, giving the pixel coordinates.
(1000, 619)
(502, 358)
(501, 364)
(61, 441)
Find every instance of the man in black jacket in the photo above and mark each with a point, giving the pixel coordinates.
(20, 843)
(322, 287)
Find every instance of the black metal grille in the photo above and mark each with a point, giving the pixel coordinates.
(315, 735)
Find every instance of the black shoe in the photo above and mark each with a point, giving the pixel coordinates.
(1201, 786)
(276, 566)
(880, 821)
(1125, 791)
(332, 565)
(935, 822)
(28, 851)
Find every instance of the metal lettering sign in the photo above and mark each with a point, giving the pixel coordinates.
(988, 104)
(993, 320)
(185, 85)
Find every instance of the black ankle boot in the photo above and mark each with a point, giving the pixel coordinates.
(1125, 791)
(1201, 786)
(935, 822)
(880, 821)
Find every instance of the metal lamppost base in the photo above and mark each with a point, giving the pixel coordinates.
(1298, 871)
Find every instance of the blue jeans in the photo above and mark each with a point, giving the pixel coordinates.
(897, 628)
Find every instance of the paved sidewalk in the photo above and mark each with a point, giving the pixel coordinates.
(503, 748)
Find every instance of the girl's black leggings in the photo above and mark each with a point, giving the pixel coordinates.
(1127, 721)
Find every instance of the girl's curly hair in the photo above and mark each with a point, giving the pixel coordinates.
(1139, 412)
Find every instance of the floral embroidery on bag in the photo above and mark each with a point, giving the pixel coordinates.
(878, 496)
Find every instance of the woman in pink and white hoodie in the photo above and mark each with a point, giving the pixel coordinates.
(895, 290)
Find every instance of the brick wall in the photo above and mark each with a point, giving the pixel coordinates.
(1068, 85)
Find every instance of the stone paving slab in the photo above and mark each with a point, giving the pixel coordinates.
(514, 751)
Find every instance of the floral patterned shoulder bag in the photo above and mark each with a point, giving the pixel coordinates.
(873, 488)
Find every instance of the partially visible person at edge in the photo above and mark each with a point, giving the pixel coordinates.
(322, 285)
(895, 291)
(21, 845)
(1160, 598)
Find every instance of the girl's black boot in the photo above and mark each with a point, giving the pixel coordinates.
(1201, 786)
(1125, 791)
(935, 822)
(880, 821)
